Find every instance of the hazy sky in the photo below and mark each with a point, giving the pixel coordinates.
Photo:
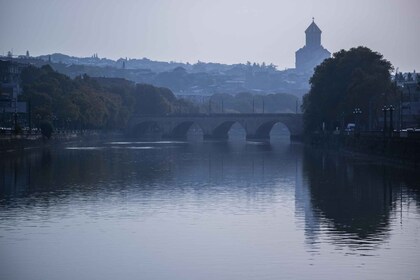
(226, 31)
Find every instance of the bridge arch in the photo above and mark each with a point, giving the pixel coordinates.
(279, 130)
(262, 129)
(146, 129)
(221, 130)
(180, 130)
(216, 126)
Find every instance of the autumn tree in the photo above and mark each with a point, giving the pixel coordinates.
(93, 102)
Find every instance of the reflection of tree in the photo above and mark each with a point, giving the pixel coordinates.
(82, 171)
(96, 168)
(354, 198)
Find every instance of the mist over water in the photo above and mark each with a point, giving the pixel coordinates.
(117, 209)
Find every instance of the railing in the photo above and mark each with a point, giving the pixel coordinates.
(215, 114)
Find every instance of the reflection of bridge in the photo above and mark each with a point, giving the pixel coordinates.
(214, 126)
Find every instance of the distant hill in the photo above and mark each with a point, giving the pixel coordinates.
(199, 79)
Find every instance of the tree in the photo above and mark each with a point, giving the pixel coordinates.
(357, 78)
(93, 102)
(418, 82)
(399, 77)
(409, 77)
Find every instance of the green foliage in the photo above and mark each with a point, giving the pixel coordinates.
(357, 78)
(399, 77)
(156, 100)
(93, 102)
(409, 77)
(418, 82)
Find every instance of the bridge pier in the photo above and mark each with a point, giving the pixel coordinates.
(174, 137)
(257, 138)
(215, 137)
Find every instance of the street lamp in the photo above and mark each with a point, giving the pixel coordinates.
(68, 120)
(54, 121)
(263, 104)
(391, 127)
(210, 104)
(357, 113)
(384, 109)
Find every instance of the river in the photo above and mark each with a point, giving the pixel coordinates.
(118, 209)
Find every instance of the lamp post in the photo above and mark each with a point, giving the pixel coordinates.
(15, 121)
(357, 113)
(391, 126)
(384, 109)
(401, 107)
(54, 121)
(263, 109)
(68, 124)
(30, 116)
(15, 117)
(210, 105)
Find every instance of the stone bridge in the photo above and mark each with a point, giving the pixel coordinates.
(214, 126)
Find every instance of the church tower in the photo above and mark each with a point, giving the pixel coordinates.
(313, 53)
(313, 35)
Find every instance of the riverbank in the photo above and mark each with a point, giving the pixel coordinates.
(16, 143)
(399, 149)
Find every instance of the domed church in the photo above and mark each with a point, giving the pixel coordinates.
(313, 53)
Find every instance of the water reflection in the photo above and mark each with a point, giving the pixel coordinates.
(170, 168)
(345, 195)
(257, 210)
(353, 198)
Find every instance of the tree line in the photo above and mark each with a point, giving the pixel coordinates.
(88, 102)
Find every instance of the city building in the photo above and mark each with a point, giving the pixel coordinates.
(313, 53)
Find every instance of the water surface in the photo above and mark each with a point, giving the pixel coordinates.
(117, 209)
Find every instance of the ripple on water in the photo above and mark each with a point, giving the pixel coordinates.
(137, 147)
(145, 142)
(112, 147)
(84, 148)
